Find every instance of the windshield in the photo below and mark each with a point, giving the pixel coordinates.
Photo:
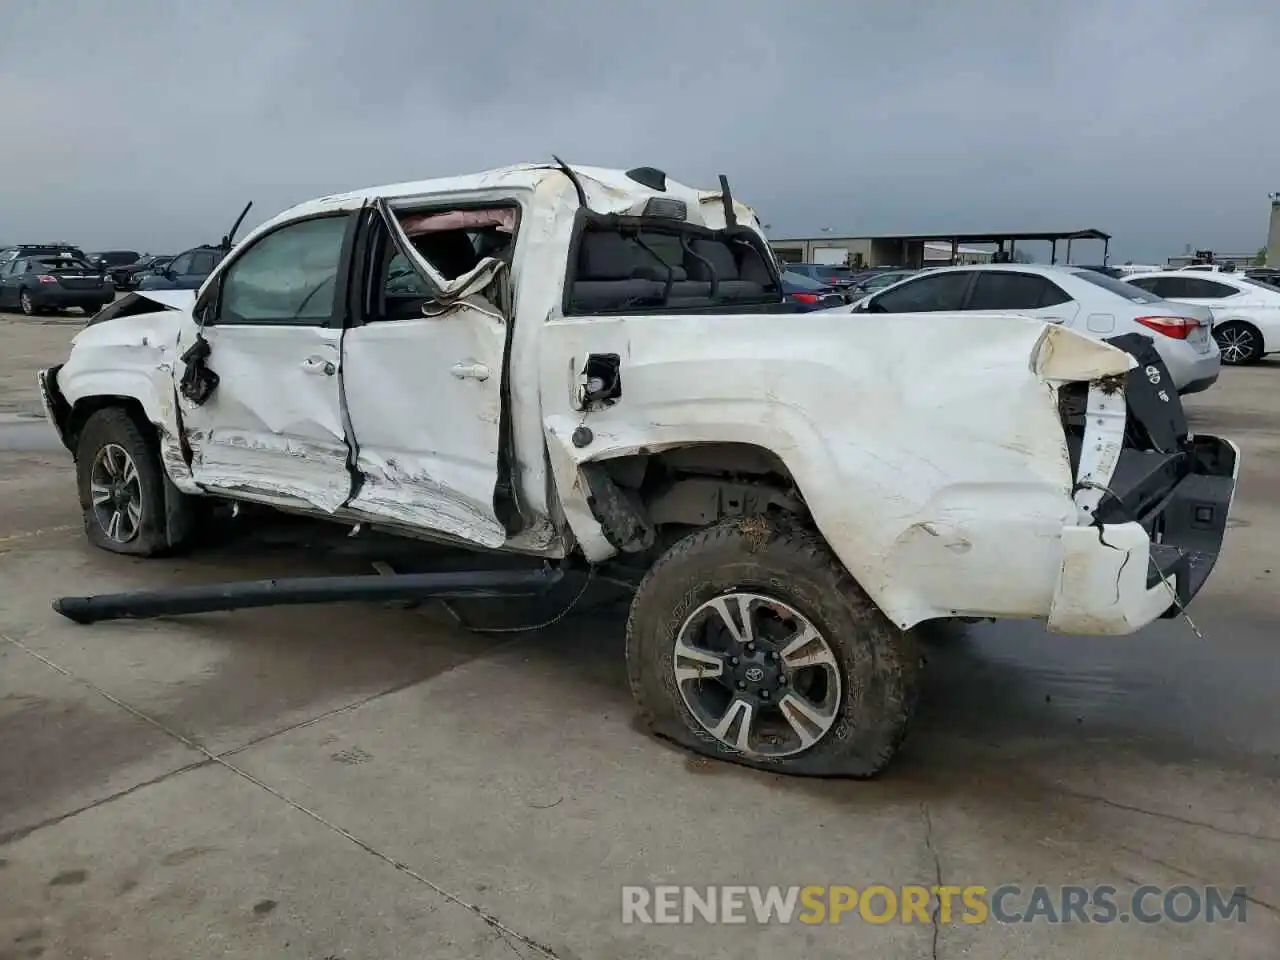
(1118, 287)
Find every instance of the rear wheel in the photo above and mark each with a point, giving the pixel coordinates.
(1240, 343)
(26, 304)
(749, 641)
(121, 485)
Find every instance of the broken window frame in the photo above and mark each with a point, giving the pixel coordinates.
(476, 282)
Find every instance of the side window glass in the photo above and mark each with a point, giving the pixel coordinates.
(1007, 290)
(1149, 284)
(926, 295)
(202, 263)
(181, 265)
(1213, 290)
(290, 275)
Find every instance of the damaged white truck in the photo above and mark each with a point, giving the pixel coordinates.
(588, 366)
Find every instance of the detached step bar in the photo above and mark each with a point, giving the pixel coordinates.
(244, 594)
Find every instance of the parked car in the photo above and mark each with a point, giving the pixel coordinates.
(1267, 275)
(126, 277)
(34, 284)
(1209, 267)
(545, 389)
(809, 293)
(108, 260)
(833, 275)
(1074, 297)
(1115, 273)
(878, 281)
(43, 250)
(186, 271)
(1246, 313)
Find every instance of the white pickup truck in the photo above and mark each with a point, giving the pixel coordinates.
(585, 365)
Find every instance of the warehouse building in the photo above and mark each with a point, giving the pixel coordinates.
(919, 250)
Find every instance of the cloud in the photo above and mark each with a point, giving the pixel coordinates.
(148, 124)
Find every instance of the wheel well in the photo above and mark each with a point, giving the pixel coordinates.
(646, 498)
(88, 406)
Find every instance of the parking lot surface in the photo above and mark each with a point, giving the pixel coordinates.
(364, 782)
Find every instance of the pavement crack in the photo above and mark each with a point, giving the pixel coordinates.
(326, 715)
(490, 920)
(935, 917)
(1191, 875)
(20, 833)
(1171, 817)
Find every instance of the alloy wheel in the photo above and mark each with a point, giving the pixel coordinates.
(757, 675)
(116, 493)
(1237, 344)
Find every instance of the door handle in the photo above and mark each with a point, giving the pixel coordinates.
(470, 371)
(318, 366)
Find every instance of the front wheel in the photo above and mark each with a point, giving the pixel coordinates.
(1239, 343)
(121, 485)
(749, 641)
(26, 304)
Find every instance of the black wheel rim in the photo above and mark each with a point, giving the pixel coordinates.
(25, 301)
(757, 675)
(115, 493)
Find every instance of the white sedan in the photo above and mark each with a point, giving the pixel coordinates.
(1246, 313)
(1089, 302)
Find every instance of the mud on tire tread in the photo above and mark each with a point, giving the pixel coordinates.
(880, 664)
(115, 425)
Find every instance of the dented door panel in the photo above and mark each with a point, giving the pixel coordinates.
(425, 403)
(273, 427)
(424, 396)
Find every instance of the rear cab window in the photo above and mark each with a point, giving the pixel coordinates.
(652, 264)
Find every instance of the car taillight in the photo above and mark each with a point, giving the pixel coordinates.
(805, 297)
(47, 279)
(1179, 328)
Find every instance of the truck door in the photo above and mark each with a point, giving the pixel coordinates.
(424, 372)
(272, 427)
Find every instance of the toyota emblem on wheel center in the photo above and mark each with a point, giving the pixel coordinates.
(755, 674)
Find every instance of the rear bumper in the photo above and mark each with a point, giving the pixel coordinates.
(72, 298)
(1193, 372)
(1196, 386)
(1118, 577)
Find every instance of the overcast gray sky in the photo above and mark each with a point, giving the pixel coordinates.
(146, 124)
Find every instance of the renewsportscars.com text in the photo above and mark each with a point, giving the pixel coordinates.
(972, 904)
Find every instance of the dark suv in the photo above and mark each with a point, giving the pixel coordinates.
(34, 284)
(186, 272)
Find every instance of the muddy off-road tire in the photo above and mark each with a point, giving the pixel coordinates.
(838, 704)
(117, 467)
